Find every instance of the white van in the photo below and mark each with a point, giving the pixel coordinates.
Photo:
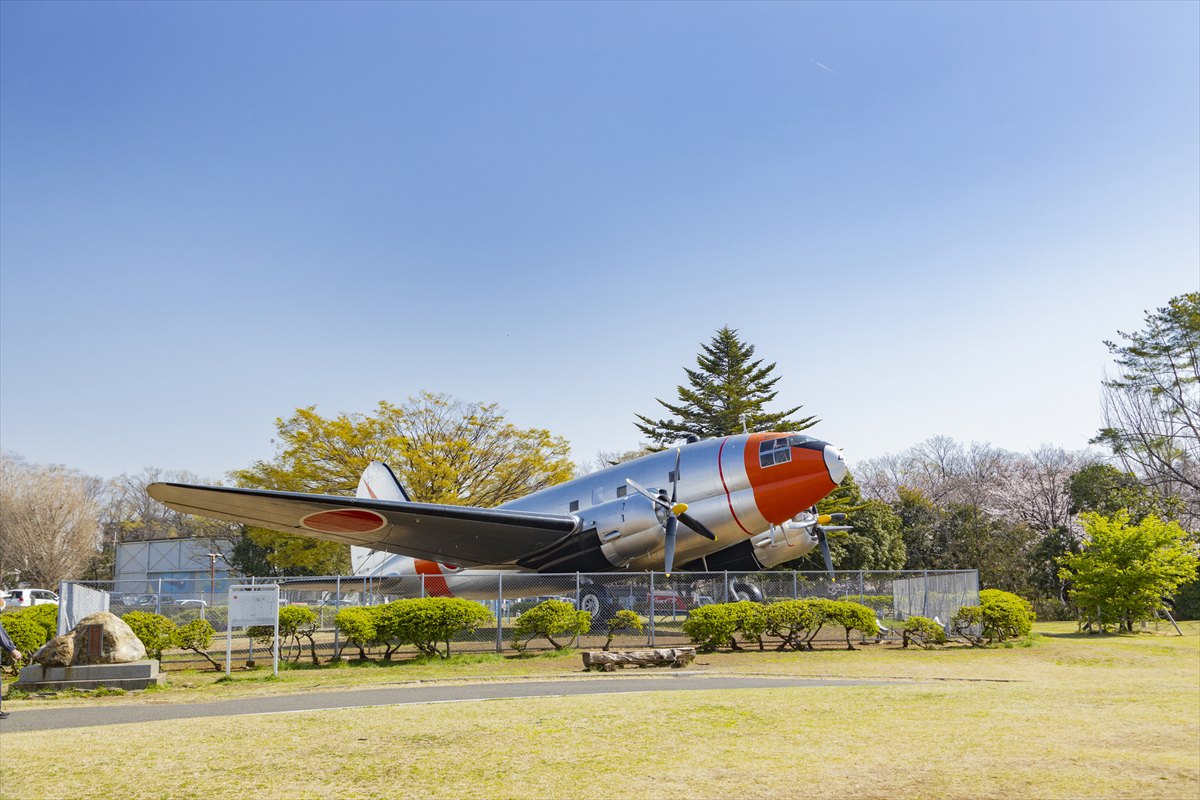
(28, 597)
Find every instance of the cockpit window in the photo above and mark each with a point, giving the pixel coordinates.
(775, 451)
(796, 440)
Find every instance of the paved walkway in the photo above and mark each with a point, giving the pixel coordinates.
(41, 719)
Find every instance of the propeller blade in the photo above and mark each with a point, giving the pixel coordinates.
(697, 526)
(675, 479)
(825, 553)
(669, 545)
(637, 487)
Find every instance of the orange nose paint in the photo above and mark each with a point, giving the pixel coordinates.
(783, 490)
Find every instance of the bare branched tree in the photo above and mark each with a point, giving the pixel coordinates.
(49, 522)
(1032, 488)
(130, 514)
(1152, 408)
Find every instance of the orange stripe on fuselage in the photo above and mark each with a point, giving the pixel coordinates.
(784, 490)
(434, 581)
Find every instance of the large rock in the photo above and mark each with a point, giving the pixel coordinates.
(58, 652)
(116, 642)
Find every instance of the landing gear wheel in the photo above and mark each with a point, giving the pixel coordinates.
(746, 591)
(594, 599)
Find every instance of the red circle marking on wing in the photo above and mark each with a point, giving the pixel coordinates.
(344, 520)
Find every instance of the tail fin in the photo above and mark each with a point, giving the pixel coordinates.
(378, 482)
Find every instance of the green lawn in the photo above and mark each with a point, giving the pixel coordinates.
(1072, 716)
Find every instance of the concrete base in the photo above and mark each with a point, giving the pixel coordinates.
(135, 675)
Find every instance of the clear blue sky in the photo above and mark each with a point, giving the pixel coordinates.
(929, 215)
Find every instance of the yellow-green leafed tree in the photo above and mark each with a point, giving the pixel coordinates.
(442, 450)
(1125, 570)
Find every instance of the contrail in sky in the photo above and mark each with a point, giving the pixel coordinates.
(822, 66)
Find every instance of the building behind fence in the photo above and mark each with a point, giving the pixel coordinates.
(664, 602)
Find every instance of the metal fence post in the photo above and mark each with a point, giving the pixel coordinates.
(422, 585)
(925, 597)
(576, 590)
(795, 586)
(652, 605)
(337, 606)
(862, 590)
(500, 612)
(726, 586)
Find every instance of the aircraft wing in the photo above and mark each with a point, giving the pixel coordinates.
(462, 535)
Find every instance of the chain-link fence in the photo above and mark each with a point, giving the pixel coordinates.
(662, 602)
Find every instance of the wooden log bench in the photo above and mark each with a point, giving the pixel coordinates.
(603, 660)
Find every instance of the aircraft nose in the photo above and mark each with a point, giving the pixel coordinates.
(835, 462)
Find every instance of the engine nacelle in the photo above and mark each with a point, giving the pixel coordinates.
(628, 527)
(783, 543)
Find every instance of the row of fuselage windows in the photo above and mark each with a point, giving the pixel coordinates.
(621, 492)
(771, 453)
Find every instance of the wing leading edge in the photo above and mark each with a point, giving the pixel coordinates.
(463, 535)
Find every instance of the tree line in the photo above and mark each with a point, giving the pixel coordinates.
(1017, 517)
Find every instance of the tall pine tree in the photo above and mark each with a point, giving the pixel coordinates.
(728, 390)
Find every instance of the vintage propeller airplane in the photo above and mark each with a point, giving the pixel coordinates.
(737, 503)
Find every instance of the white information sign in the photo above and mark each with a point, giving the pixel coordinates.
(252, 604)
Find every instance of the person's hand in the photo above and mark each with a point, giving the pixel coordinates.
(16, 655)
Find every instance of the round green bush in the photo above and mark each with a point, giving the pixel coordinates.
(548, 619)
(711, 626)
(924, 632)
(26, 632)
(155, 631)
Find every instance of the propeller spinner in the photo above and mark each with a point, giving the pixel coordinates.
(676, 512)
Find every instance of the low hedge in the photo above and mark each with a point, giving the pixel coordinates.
(795, 622)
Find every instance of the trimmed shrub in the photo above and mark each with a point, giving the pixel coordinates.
(924, 632)
(429, 621)
(26, 633)
(964, 622)
(295, 623)
(357, 625)
(196, 636)
(389, 618)
(623, 620)
(751, 621)
(46, 615)
(793, 621)
(718, 624)
(155, 631)
(853, 616)
(548, 619)
(1000, 615)
(711, 626)
(1005, 615)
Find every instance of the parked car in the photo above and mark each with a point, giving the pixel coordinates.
(666, 602)
(191, 603)
(28, 597)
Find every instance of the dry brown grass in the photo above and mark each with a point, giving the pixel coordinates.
(1106, 717)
